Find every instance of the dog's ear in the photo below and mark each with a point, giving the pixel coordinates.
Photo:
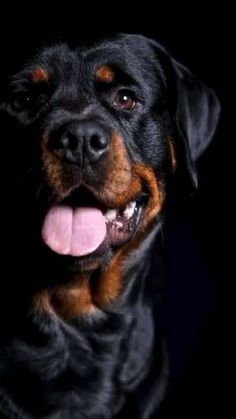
(197, 114)
(194, 108)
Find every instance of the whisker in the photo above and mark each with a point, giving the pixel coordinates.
(162, 235)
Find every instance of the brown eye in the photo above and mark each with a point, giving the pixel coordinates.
(125, 99)
(20, 101)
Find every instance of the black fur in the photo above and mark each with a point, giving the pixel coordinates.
(115, 364)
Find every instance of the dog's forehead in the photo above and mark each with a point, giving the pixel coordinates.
(58, 59)
(61, 60)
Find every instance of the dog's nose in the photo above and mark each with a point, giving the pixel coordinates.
(82, 139)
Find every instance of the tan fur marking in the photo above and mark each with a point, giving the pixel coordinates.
(73, 299)
(105, 74)
(58, 178)
(39, 75)
(41, 302)
(117, 174)
(111, 280)
(66, 301)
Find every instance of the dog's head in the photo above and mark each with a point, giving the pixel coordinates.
(97, 133)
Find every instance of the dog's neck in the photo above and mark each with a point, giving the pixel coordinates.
(97, 348)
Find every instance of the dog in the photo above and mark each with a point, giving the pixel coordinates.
(101, 135)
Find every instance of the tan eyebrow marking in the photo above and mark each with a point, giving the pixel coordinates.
(105, 74)
(39, 75)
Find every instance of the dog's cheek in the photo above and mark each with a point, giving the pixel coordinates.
(111, 175)
(112, 279)
(58, 179)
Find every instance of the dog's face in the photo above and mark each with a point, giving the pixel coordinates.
(98, 132)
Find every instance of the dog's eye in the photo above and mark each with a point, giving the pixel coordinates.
(125, 99)
(20, 101)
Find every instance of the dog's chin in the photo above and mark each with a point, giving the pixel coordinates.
(97, 260)
(58, 269)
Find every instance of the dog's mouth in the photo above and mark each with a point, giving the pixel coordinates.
(82, 225)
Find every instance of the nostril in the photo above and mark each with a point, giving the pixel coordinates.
(64, 142)
(98, 142)
(71, 141)
(78, 140)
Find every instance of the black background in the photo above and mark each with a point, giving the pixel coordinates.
(201, 39)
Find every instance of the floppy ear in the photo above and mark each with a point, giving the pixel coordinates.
(196, 115)
(194, 108)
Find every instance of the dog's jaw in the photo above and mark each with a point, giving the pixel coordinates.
(99, 285)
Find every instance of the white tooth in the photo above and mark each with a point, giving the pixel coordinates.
(111, 214)
(129, 210)
(118, 224)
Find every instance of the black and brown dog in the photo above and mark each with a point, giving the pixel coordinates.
(99, 134)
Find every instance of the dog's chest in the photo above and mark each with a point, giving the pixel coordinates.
(72, 368)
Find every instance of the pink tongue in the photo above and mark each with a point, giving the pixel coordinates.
(74, 232)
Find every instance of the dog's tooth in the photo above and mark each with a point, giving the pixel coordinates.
(119, 224)
(111, 214)
(129, 210)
